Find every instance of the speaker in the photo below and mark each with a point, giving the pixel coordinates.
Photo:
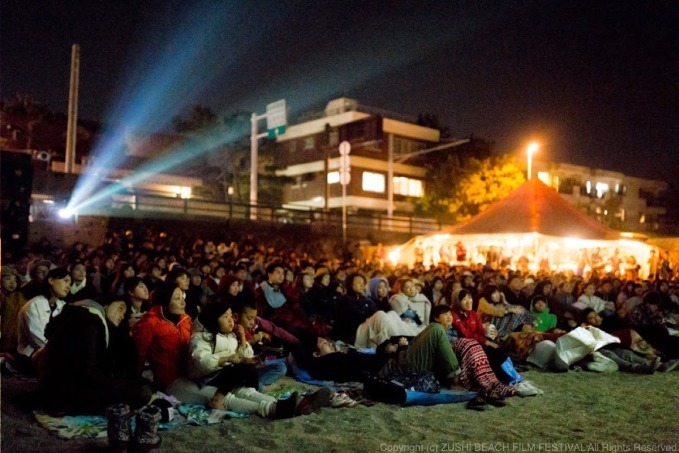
(16, 185)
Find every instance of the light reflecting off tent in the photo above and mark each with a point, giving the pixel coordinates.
(395, 256)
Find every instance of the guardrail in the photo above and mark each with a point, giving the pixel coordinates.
(151, 206)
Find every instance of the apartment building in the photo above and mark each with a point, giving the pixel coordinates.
(381, 143)
(621, 201)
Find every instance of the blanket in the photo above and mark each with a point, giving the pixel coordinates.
(72, 426)
(412, 398)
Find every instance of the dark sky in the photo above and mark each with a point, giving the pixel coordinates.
(595, 81)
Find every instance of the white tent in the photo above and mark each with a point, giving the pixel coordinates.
(532, 222)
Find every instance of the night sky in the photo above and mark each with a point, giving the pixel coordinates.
(596, 82)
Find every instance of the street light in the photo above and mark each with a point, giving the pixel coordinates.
(533, 147)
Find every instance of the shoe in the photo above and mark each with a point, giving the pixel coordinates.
(287, 408)
(521, 368)
(525, 388)
(315, 401)
(494, 399)
(119, 426)
(340, 399)
(476, 404)
(146, 436)
(657, 362)
(670, 365)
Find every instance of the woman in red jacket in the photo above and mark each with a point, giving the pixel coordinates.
(162, 336)
(469, 325)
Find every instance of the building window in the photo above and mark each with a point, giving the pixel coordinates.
(333, 177)
(373, 182)
(408, 187)
(333, 138)
(292, 146)
(601, 188)
(404, 146)
(309, 143)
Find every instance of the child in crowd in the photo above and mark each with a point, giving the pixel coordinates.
(136, 299)
(220, 355)
(539, 308)
(272, 369)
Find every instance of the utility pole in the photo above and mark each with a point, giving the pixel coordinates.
(276, 123)
(72, 125)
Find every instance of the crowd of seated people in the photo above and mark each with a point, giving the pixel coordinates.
(150, 309)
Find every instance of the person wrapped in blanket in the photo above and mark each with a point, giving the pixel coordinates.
(89, 360)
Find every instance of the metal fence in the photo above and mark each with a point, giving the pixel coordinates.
(158, 206)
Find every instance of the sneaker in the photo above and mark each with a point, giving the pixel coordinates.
(670, 365)
(476, 404)
(525, 388)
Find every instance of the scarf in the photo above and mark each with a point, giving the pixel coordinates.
(274, 297)
(75, 287)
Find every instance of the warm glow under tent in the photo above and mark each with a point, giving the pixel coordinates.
(532, 222)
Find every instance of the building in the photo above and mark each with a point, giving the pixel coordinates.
(309, 153)
(620, 201)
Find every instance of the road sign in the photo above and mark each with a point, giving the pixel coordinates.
(345, 147)
(345, 163)
(276, 118)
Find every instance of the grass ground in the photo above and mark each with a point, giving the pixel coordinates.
(580, 411)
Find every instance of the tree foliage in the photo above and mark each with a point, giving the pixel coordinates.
(483, 183)
(228, 139)
(463, 187)
(31, 125)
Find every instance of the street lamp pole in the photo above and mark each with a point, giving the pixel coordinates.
(402, 158)
(532, 148)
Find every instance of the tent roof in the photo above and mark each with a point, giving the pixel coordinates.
(536, 208)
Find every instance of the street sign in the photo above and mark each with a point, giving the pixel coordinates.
(276, 118)
(344, 147)
(345, 163)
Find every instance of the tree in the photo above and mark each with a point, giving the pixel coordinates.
(463, 187)
(485, 182)
(228, 138)
(28, 113)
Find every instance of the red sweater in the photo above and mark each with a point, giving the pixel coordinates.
(469, 325)
(163, 344)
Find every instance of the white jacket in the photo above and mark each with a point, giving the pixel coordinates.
(419, 304)
(203, 360)
(33, 318)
